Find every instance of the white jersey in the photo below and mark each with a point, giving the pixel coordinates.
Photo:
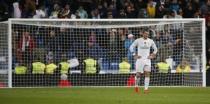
(143, 46)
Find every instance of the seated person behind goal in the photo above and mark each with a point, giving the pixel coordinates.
(38, 67)
(183, 67)
(50, 67)
(64, 66)
(124, 66)
(20, 68)
(90, 65)
(163, 66)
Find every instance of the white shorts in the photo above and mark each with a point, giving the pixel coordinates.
(143, 65)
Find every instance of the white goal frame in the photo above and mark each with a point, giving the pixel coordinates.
(107, 20)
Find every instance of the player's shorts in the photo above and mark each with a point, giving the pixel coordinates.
(143, 65)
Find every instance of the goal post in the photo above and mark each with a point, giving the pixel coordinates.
(204, 52)
(107, 41)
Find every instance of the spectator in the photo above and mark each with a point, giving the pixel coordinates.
(76, 15)
(197, 14)
(189, 11)
(174, 15)
(130, 13)
(183, 67)
(157, 39)
(52, 45)
(164, 43)
(17, 11)
(79, 46)
(55, 12)
(122, 14)
(163, 66)
(28, 8)
(140, 4)
(179, 14)
(167, 3)
(39, 50)
(64, 39)
(128, 43)
(94, 50)
(20, 69)
(197, 4)
(125, 3)
(124, 66)
(26, 46)
(151, 9)
(37, 66)
(4, 10)
(205, 8)
(121, 41)
(65, 12)
(91, 65)
(178, 49)
(52, 40)
(142, 13)
(174, 6)
(167, 14)
(112, 43)
(102, 11)
(64, 66)
(95, 14)
(82, 13)
(50, 67)
(92, 38)
(182, 4)
(160, 11)
(40, 13)
(112, 10)
(109, 15)
(165, 51)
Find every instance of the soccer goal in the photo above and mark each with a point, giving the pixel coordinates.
(66, 52)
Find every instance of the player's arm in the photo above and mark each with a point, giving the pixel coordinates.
(153, 55)
(132, 49)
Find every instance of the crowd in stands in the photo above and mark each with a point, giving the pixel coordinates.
(98, 9)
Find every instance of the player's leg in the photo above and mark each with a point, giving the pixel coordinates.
(137, 81)
(139, 70)
(147, 70)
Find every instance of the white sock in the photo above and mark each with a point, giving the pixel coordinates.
(146, 83)
(137, 79)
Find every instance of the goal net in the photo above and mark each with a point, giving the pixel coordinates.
(63, 52)
(3, 54)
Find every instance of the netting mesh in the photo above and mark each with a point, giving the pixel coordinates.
(67, 45)
(3, 55)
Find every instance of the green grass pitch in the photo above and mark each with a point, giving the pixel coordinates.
(157, 95)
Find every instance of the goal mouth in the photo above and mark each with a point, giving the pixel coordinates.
(61, 41)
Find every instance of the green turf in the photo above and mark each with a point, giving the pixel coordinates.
(104, 96)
